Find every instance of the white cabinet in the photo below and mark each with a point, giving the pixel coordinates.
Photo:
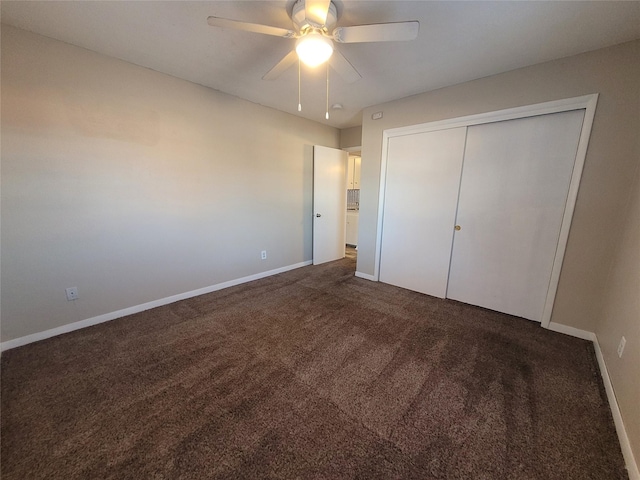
(353, 172)
(353, 182)
(352, 228)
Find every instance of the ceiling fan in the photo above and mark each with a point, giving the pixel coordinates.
(315, 31)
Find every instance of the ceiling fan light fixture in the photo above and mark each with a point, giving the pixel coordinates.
(314, 49)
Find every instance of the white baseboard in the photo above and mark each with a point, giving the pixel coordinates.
(366, 276)
(574, 332)
(625, 445)
(70, 327)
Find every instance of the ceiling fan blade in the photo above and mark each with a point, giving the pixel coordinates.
(341, 65)
(380, 32)
(316, 11)
(289, 59)
(250, 27)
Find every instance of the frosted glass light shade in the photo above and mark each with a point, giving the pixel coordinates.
(314, 49)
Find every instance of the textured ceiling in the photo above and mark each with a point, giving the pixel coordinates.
(458, 41)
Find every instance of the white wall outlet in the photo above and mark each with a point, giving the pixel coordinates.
(376, 116)
(72, 293)
(263, 254)
(623, 342)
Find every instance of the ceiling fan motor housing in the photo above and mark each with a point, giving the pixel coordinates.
(303, 25)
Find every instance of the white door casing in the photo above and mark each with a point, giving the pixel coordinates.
(422, 181)
(586, 103)
(329, 203)
(513, 192)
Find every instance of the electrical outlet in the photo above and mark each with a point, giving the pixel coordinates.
(623, 342)
(72, 293)
(263, 255)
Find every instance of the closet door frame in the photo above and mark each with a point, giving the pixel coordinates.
(586, 102)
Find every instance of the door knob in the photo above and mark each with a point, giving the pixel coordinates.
(458, 227)
(318, 215)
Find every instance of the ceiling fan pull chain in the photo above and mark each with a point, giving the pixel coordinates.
(327, 114)
(299, 103)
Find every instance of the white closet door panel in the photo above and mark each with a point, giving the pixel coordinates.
(421, 192)
(513, 193)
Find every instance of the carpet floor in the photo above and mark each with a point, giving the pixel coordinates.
(309, 374)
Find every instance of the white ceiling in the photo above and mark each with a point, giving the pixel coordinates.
(458, 41)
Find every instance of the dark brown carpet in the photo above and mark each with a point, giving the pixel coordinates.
(310, 374)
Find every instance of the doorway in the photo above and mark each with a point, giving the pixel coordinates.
(353, 198)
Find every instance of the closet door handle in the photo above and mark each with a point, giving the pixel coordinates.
(458, 227)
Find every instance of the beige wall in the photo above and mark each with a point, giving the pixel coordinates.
(621, 316)
(133, 185)
(604, 231)
(351, 137)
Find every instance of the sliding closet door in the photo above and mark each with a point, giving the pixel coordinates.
(421, 193)
(513, 193)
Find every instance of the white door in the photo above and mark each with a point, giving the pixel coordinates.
(329, 203)
(421, 193)
(513, 194)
